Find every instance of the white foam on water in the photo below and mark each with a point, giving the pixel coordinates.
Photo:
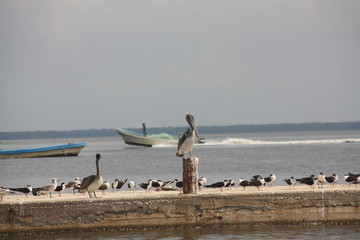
(310, 141)
(245, 141)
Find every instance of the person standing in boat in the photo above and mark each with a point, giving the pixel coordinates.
(144, 129)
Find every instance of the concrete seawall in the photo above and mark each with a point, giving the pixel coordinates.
(171, 209)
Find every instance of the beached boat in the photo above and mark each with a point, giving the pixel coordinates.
(133, 138)
(70, 149)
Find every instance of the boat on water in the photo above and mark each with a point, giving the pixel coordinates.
(66, 150)
(137, 139)
(133, 138)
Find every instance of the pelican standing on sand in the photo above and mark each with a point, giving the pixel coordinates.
(187, 140)
(91, 183)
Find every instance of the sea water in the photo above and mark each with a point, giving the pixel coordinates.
(223, 156)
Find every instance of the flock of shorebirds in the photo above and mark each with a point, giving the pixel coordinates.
(92, 183)
(158, 185)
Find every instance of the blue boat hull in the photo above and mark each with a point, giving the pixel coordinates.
(70, 149)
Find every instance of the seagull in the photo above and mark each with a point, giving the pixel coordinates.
(117, 184)
(230, 184)
(244, 183)
(187, 140)
(74, 184)
(179, 184)
(3, 192)
(91, 183)
(356, 178)
(348, 178)
(147, 186)
(202, 181)
(60, 188)
(114, 184)
(255, 177)
(308, 181)
(332, 180)
(121, 183)
(158, 184)
(356, 181)
(291, 182)
(49, 188)
(35, 191)
(257, 181)
(168, 188)
(104, 186)
(218, 184)
(321, 180)
(25, 190)
(270, 179)
(131, 185)
(352, 178)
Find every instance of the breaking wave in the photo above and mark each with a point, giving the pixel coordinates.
(313, 141)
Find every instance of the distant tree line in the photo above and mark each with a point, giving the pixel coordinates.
(286, 127)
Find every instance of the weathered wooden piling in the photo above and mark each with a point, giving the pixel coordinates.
(190, 175)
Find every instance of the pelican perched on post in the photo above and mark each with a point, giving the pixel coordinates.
(93, 182)
(187, 140)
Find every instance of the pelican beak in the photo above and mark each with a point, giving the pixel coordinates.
(195, 129)
(191, 121)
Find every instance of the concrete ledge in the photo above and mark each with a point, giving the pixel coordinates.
(124, 211)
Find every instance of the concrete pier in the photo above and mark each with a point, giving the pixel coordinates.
(140, 210)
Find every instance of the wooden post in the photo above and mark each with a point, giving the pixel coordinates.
(190, 175)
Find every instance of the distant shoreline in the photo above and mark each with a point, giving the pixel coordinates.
(284, 127)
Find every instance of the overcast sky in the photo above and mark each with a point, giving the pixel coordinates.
(91, 64)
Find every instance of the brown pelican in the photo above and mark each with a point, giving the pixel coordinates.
(91, 183)
(187, 140)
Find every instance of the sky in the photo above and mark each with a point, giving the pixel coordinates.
(91, 64)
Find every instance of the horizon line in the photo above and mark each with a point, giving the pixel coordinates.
(201, 126)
